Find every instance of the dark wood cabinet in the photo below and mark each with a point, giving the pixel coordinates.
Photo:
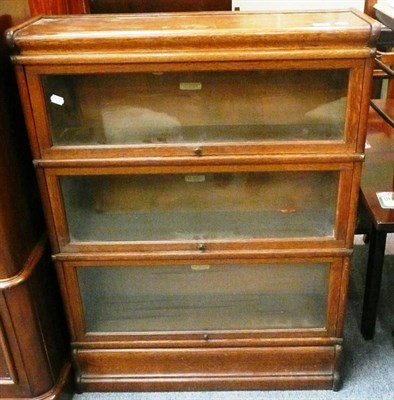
(38, 7)
(124, 6)
(200, 175)
(33, 342)
(146, 6)
(141, 6)
(34, 360)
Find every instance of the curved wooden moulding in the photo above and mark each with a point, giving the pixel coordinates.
(29, 266)
(182, 37)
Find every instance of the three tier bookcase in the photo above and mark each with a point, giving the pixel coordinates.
(200, 174)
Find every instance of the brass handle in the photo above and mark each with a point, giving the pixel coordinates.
(197, 151)
(202, 246)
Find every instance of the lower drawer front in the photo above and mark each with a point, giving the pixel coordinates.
(210, 369)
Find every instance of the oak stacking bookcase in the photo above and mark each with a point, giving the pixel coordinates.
(200, 175)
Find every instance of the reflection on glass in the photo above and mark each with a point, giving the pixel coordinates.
(196, 107)
(200, 206)
(204, 297)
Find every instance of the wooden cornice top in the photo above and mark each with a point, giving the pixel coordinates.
(193, 36)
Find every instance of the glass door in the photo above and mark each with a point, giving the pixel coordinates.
(207, 107)
(204, 297)
(200, 206)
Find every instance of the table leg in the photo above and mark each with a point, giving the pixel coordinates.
(373, 280)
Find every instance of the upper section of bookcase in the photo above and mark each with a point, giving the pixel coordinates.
(203, 36)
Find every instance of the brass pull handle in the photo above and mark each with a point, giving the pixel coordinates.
(197, 151)
(202, 246)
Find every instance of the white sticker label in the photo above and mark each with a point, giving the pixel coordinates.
(200, 267)
(386, 199)
(190, 85)
(58, 100)
(195, 178)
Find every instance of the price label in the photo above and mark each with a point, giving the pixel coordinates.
(199, 267)
(386, 199)
(190, 85)
(195, 178)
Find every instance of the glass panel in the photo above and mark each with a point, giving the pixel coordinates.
(204, 297)
(200, 107)
(200, 206)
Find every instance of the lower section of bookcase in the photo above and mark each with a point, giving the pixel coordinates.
(182, 369)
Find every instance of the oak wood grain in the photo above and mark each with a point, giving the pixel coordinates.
(101, 67)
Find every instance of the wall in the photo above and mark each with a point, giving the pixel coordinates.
(252, 5)
(17, 9)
